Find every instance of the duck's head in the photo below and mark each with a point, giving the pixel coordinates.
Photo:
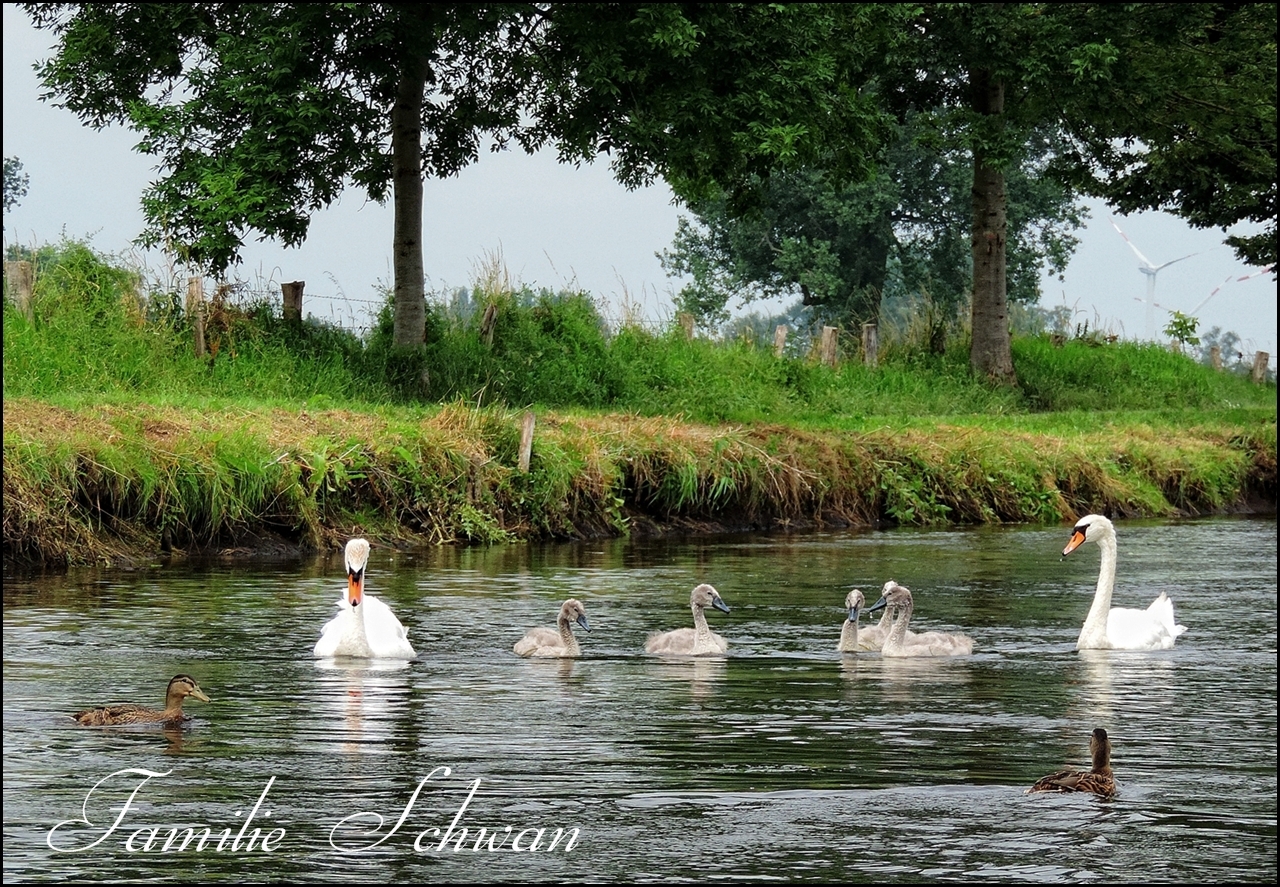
(573, 611)
(182, 686)
(1100, 748)
(705, 596)
(1089, 528)
(357, 558)
(853, 602)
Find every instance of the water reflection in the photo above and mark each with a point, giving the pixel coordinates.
(361, 700)
(782, 760)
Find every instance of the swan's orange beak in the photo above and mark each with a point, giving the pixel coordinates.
(1077, 539)
(355, 586)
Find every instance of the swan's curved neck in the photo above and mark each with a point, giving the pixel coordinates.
(898, 634)
(567, 639)
(849, 636)
(359, 638)
(1095, 626)
(700, 624)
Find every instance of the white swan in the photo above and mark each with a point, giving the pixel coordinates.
(1119, 628)
(365, 627)
(902, 642)
(698, 640)
(558, 641)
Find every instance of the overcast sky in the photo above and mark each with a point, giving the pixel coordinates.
(552, 224)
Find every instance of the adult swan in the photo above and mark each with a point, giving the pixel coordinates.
(1119, 628)
(365, 627)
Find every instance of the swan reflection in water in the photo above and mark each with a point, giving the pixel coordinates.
(360, 700)
(704, 675)
(1114, 680)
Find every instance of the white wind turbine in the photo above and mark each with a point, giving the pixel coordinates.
(1196, 310)
(1151, 271)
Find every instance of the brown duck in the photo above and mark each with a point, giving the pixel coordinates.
(180, 688)
(1097, 780)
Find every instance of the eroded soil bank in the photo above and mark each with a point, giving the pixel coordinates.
(118, 484)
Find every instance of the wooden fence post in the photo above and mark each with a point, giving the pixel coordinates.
(870, 344)
(1260, 361)
(488, 321)
(829, 335)
(21, 280)
(686, 320)
(195, 311)
(526, 441)
(292, 294)
(1215, 356)
(779, 339)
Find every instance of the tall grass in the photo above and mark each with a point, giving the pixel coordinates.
(96, 336)
(118, 439)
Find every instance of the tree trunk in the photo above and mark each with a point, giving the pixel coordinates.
(409, 327)
(990, 354)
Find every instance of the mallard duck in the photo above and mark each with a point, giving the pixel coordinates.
(902, 642)
(558, 641)
(1119, 628)
(180, 688)
(694, 641)
(365, 627)
(1097, 780)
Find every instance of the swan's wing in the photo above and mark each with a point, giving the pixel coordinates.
(678, 640)
(871, 638)
(1129, 629)
(1161, 609)
(388, 639)
(333, 631)
(535, 638)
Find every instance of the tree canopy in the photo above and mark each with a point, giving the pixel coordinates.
(15, 182)
(841, 248)
(260, 114)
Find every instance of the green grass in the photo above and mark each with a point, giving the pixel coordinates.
(95, 337)
(119, 440)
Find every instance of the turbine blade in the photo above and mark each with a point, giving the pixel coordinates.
(1145, 261)
(1171, 261)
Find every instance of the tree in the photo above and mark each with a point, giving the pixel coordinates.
(834, 246)
(15, 182)
(261, 114)
(1185, 123)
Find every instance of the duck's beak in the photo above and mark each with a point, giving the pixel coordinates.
(199, 694)
(1077, 539)
(355, 586)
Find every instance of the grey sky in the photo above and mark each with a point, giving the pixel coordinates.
(552, 224)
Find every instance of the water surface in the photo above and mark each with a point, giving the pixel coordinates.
(783, 760)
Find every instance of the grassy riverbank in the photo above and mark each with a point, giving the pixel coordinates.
(119, 443)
